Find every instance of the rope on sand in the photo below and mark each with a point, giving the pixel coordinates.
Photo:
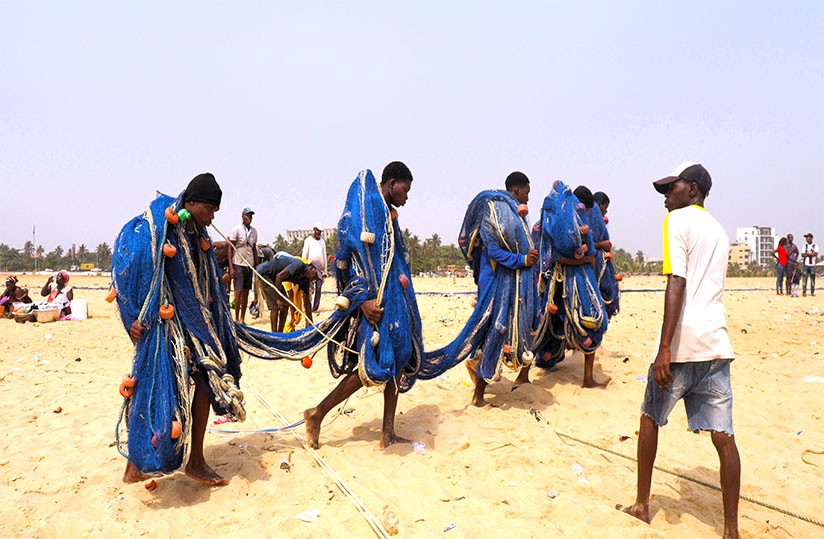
(373, 522)
(685, 477)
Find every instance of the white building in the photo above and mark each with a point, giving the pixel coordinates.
(292, 235)
(762, 240)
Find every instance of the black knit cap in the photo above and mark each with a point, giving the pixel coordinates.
(203, 188)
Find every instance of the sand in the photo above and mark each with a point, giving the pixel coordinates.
(542, 461)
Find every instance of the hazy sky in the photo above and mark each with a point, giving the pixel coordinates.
(102, 104)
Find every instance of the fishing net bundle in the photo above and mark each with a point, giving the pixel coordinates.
(571, 312)
(501, 323)
(604, 266)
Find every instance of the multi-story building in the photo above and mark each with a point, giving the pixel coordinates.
(762, 241)
(740, 255)
(292, 235)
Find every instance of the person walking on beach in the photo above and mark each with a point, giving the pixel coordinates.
(792, 259)
(383, 344)
(242, 259)
(694, 350)
(780, 255)
(186, 355)
(809, 255)
(314, 250)
(501, 248)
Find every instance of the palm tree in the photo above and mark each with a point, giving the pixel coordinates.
(82, 253)
(639, 259)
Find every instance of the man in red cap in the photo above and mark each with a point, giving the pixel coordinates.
(694, 351)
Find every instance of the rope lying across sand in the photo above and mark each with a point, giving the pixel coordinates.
(776, 508)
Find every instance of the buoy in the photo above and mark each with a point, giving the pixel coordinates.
(112, 295)
(606, 220)
(341, 264)
(584, 229)
(555, 184)
(187, 352)
(528, 357)
(306, 362)
(404, 280)
(376, 338)
(523, 210)
(584, 248)
(171, 216)
(342, 303)
(580, 206)
(462, 241)
(226, 278)
(126, 391)
(546, 356)
(166, 311)
(176, 428)
(169, 250)
(155, 439)
(473, 301)
(619, 277)
(393, 214)
(204, 243)
(184, 214)
(587, 342)
(367, 237)
(551, 308)
(128, 380)
(507, 349)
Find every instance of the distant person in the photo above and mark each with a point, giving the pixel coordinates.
(12, 294)
(282, 268)
(694, 349)
(244, 239)
(795, 279)
(809, 255)
(780, 255)
(57, 290)
(314, 250)
(792, 258)
(602, 200)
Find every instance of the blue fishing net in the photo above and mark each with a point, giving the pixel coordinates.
(604, 266)
(501, 322)
(580, 320)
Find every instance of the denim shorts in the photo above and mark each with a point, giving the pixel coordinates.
(706, 390)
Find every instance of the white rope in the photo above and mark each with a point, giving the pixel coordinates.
(371, 519)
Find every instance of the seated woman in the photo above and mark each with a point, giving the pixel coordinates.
(58, 290)
(9, 296)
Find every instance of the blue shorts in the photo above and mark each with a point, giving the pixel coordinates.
(706, 390)
(243, 277)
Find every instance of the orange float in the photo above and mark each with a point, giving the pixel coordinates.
(226, 278)
(176, 428)
(126, 391)
(187, 352)
(606, 220)
(551, 308)
(523, 210)
(112, 295)
(619, 277)
(404, 280)
(584, 229)
(169, 250)
(584, 248)
(306, 362)
(587, 342)
(128, 380)
(166, 311)
(171, 216)
(507, 349)
(393, 214)
(204, 243)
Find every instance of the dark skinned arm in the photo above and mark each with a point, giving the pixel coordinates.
(673, 303)
(45, 290)
(605, 245)
(577, 261)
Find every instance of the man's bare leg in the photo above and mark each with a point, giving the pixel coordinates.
(313, 417)
(197, 468)
(480, 384)
(589, 364)
(237, 304)
(244, 303)
(390, 403)
(730, 480)
(523, 377)
(647, 449)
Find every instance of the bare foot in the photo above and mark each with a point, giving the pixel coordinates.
(639, 512)
(478, 395)
(133, 475)
(312, 427)
(591, 383)
(203, 473)
(392, 438)
(518, 384)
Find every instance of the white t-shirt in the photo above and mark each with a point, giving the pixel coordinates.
(810, 248)
(697, 248)
(315, 252)
(243, 238)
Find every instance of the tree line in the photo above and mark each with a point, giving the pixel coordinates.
(25, 259)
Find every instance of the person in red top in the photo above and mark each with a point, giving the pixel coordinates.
(780, 254)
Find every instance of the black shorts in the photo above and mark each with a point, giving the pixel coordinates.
(243, 277)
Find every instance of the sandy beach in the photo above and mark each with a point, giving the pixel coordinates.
(547, 460)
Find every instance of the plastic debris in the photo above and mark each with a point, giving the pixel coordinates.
(47, 336)
(512, 484)
(579, 472)
(58, 409)
(813, 379)
(450, 526)
(552, 493)
(642, 377)
(390, 522)
(309, 515)
(419, 448)
(151, 485)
